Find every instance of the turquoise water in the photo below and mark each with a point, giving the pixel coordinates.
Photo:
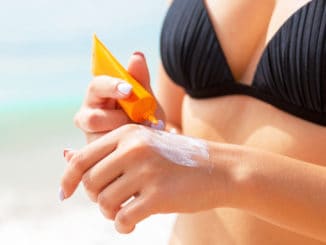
(45, 50)
(45, 45)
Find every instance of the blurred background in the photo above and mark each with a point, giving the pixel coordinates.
(45, 49)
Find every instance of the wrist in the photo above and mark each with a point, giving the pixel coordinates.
(234, 175)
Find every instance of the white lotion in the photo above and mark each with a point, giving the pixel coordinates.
(178, 149)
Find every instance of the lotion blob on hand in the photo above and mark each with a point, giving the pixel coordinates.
(177, 148)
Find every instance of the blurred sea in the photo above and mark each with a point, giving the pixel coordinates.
(45, 49)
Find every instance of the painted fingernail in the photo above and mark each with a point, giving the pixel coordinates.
(159, 125)
(139, 53)
(61, 195)
(124, 88)
(65, 151)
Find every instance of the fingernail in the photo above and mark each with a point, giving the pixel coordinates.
(159, 125)
(61, 195)
(124, 88)
(139, 53)
(65, 151)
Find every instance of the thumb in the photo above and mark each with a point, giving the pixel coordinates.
(138, 69)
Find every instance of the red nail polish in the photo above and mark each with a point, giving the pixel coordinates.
(65, 151)
(139, 53)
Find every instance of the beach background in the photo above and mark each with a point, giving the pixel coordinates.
(45, 49)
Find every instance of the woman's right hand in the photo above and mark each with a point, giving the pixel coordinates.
(100, 111)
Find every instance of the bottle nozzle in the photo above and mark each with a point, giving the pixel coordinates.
(152, 119)
(155, 123)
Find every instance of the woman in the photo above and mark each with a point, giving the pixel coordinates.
(244, 81)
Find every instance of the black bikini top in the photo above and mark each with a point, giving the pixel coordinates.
(291, 73)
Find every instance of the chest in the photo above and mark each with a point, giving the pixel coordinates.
(245, 28)
(271, 50)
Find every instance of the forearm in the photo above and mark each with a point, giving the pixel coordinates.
(283, 191)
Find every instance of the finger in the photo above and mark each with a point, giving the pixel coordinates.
(115, 195)
(85, 158)
(138, 69)
(135, 211)
(102, 174)
(90, 137)
(68, 153)
(106, 171)
(102, 88)
(99, 120)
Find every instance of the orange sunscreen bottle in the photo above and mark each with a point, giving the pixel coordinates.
(140, 106)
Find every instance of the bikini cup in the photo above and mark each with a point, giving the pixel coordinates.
(291, 73)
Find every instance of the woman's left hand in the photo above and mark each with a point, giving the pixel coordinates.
(155, 171)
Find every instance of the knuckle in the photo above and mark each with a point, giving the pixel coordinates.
(136, 141)
(87, 182)
(92, 121)
(137, 144)
(89, 187)
(152, 202)
(148, 171)
(87, 120)
(130, 127)
(92, 196)
(77, 161)
(124, 218)
(91, 193)
(92, 87)
(106, 206)
(107, 214)
(104, 203)
(76, 119)
(154, 194)
(90, 137)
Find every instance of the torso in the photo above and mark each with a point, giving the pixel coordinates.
(247, 121)
(260, 21)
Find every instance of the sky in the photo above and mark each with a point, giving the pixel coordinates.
(45, 45)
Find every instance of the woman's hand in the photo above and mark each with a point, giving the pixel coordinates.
(100, 112)
(155, 171)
